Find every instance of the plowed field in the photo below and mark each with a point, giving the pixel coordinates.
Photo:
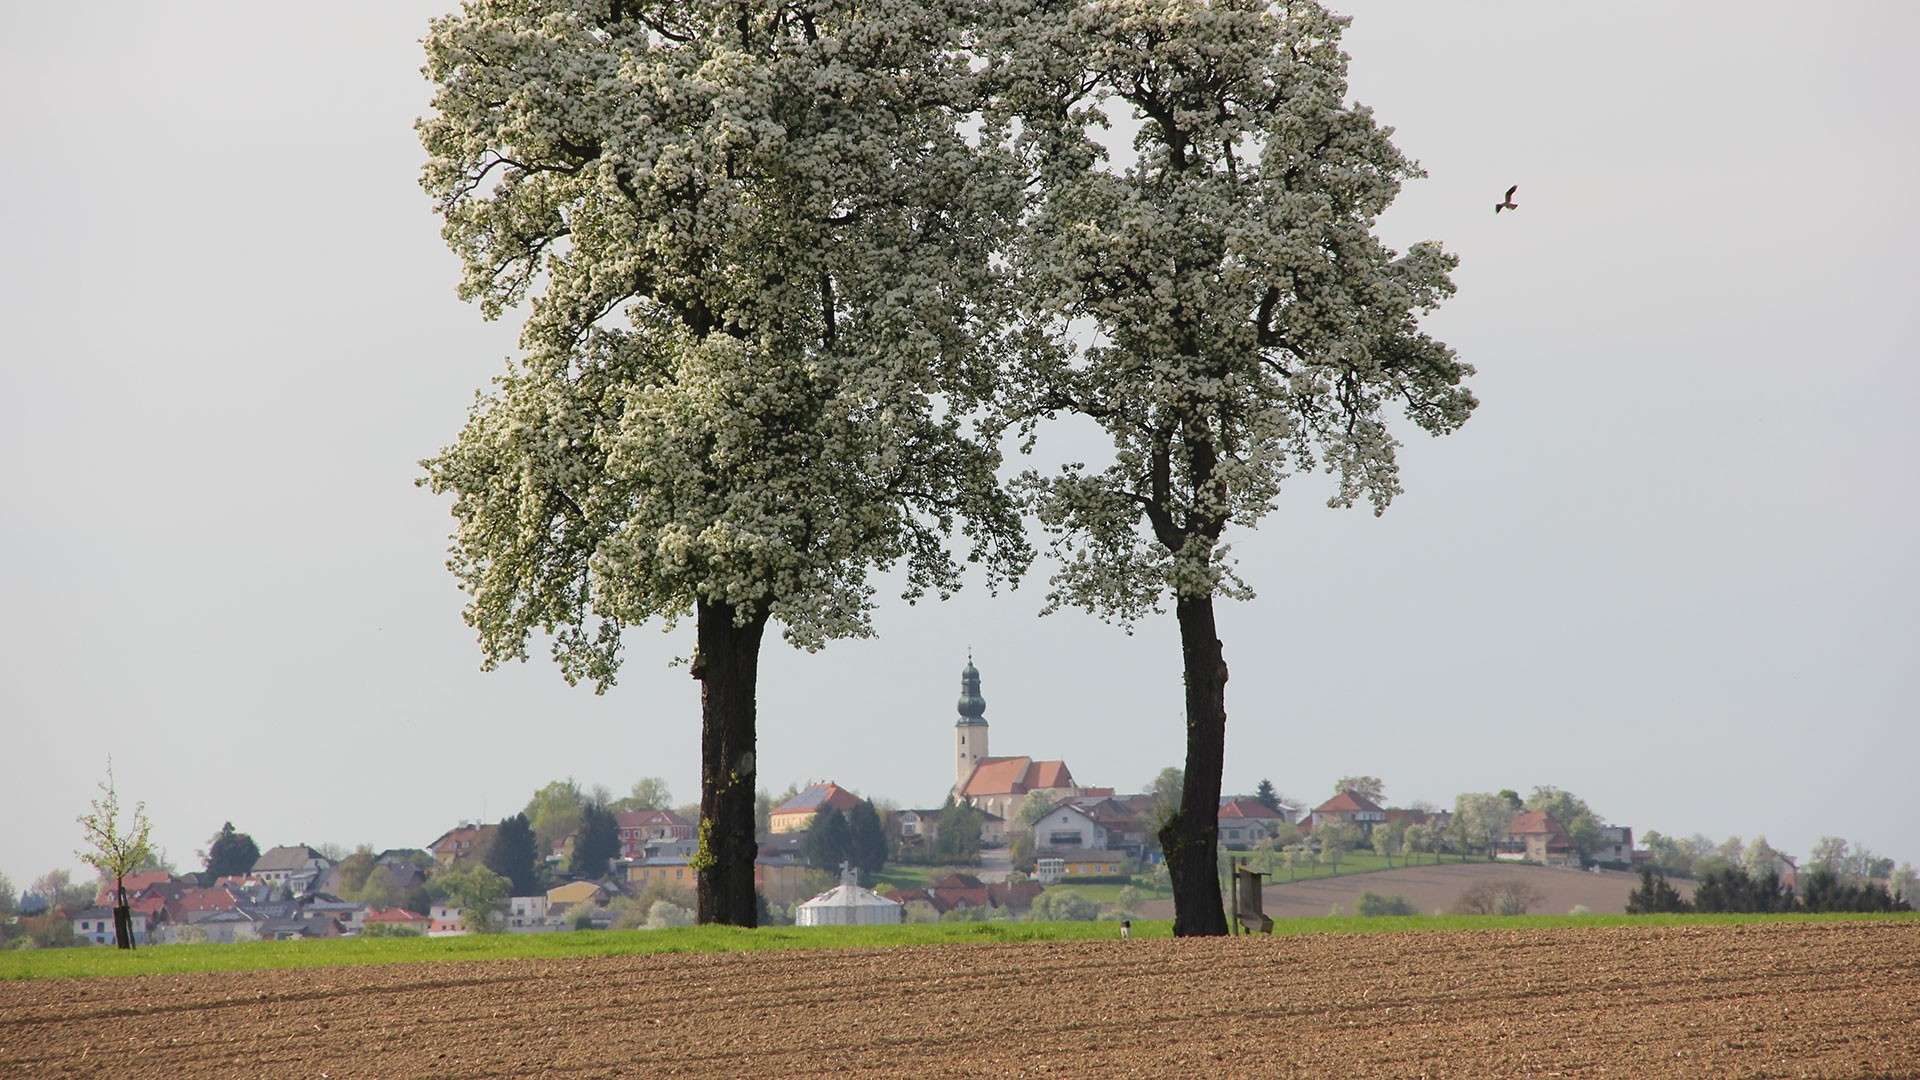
(1808, 999)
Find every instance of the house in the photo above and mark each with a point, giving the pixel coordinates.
(95, 924)
(1536, 837)
(1127, 828)
(349, 915)
(1015, 896)
(1351, 808)
(445, 920)
(574, 893)
(220, 928)
(1065, 865)
(1244, 822)
(778, 874)
(1616, 846)
(399, 919)
(186, 903)
(528, 915)
(296, 928)
(674, 870)
(771, 873)
(136, 885)
(466, 838)
(955, 892)
(913, 830)
(1068, 826)
(639, 827)
(796, 814)
(296, 868)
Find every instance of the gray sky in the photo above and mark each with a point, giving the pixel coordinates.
(1667, 566)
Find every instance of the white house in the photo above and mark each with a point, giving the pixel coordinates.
(1069, 826)
(528, 915)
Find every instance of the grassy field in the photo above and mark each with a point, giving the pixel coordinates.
(1353, 862)
(91, 962)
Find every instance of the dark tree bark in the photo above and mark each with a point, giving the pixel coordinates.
(726, 660)
(1190, 837)
(122, 914)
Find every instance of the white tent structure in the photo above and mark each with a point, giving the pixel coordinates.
(847, 904)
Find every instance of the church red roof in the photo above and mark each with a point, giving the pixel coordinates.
(1016, 776)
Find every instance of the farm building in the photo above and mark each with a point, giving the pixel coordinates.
(847, 904)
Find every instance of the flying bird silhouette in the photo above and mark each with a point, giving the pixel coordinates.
(1508, 204)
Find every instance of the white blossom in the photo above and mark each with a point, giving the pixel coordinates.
(753, 246)
(1248, 324)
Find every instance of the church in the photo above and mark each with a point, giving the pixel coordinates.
(997, 785)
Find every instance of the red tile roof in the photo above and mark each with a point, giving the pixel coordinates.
(817, 796)
(395, 915)
(1016, 776)
(1250, 808)
(1347, 802)
(135, 883)
(1540, 823)
(651, 819)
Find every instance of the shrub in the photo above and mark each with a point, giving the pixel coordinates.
(1372, 905)
(1507, 896)
(369, 930)
(1060, 905)
(664, 914)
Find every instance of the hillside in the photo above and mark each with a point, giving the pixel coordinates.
(1433, 889)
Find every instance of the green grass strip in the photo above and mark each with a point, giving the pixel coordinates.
(99, 961)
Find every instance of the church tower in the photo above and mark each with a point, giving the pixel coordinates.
(970, 733)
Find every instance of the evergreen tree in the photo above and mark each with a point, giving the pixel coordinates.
(1655, 895)
(1730, 889)
(829, 840)
(1268, 797)
(514, 855)
(869, 839)
(598, 843)
(230, 854)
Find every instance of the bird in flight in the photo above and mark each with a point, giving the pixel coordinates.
(1508, 203)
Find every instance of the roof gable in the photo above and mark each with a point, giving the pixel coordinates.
(1539, 823)
(1048, 774)
(296, 857)
(998, 776)
(817, 796)
(1250, 808)
(1348, 802)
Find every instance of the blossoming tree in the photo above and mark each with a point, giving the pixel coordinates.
(752, 245)
(1219, 305)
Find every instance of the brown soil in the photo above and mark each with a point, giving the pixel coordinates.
(1799, 999)
(1432, 890)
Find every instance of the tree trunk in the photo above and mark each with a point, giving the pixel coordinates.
(122, 915)
(726, 660)
(1190, 837)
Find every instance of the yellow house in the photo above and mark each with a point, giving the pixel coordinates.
(662, 871)
(796, 814)
(565, 896)
(1064, 865)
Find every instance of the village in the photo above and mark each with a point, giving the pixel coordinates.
(1014, 837)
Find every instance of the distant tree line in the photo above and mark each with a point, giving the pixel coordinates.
(1732, 890)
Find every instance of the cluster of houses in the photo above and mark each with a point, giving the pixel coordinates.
(1084, 834)
(292, 893)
